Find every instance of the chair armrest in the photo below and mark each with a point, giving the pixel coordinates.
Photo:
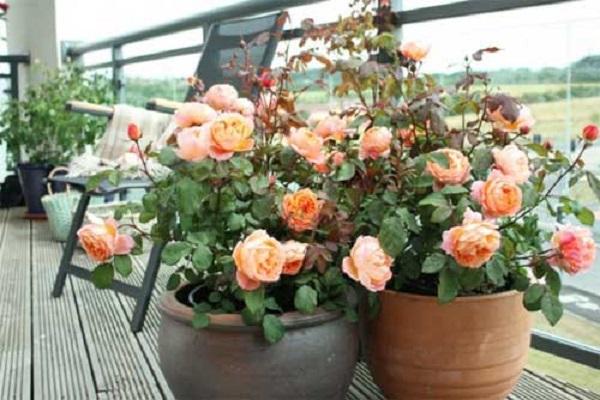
(105, 188)
(84, 107)
(163, 105)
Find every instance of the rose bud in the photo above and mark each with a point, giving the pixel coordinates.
(590, 132)
(547, 144)
(266, 80)
(134, 133)
(524, 130)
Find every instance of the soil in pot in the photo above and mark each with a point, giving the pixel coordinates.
(229, 360)
(32, 178)
(472, 348)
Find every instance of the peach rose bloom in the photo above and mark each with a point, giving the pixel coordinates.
(190, 114)
(337, 158)
(306, 143)
(473, 243)
(575, 249)
(230, 133)
(243, 106)
(374, 143)
(368, 264)
(101, 239)
(221, 97)
(513, 162)
(458, 170)
(499, 196)
(407, 136)
(415, 50)
(523, 123)
(331, 127)
(258, 258)
(294, 256)
(193, 143)
(301, 210)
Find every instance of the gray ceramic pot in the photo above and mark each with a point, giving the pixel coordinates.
(229, 360)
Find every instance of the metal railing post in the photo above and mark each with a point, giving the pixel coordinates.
(14, 80)
(117, 74)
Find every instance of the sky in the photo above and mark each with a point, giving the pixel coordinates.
(535, 37)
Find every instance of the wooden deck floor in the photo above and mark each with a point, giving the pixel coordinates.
(79, 346)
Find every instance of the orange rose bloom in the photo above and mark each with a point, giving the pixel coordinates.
(414, 50)
(101, 240)
(331, 127)
(193, 113)
(368, 264)
(523, 123)
(458, 169)
(301, 210)
(294, 256)
(259, 258)
(473, 243)
(230, 133)
(308, 144)
(499, 195)
(375, 143)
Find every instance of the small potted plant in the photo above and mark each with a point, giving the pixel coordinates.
(450, 184)
(257, 305)
(40, 133)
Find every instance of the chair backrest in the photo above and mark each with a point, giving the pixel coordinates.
(223, 43)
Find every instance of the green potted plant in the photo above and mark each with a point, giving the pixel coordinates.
(40, 133)
(449, 182)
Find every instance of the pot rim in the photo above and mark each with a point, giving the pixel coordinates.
(169, 305)
(459, 299)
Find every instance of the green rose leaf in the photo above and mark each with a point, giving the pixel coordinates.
(174, 281)
(167, 156)
(102, 275)
(202, 258)
(435, 199)
(495, 271)
(236, 222)
(175, 251)
(345, 172)
(259, 184)
(306, 299)
(553, 281)
(200, 320)
(447, 286)
(393, 236)
(454, 189)
(94, 181)
(551, 308)
(272, 328)
(255, 300)
(434, 263)
(533, 295)
(441, 214)
(586, 216)
(123, 265)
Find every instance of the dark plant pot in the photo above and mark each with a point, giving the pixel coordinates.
(472, 348)
(229, 360)
(11, 194)
(32, 178)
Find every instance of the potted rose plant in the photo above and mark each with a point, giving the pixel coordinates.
(257, 305)
(449, 184)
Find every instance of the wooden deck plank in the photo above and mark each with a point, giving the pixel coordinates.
(117, 359)
(15, 310)
(61, 366)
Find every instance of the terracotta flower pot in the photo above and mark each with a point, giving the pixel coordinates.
(229, 360)
(472, 348)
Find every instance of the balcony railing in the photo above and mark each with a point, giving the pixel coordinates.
(543, 341)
